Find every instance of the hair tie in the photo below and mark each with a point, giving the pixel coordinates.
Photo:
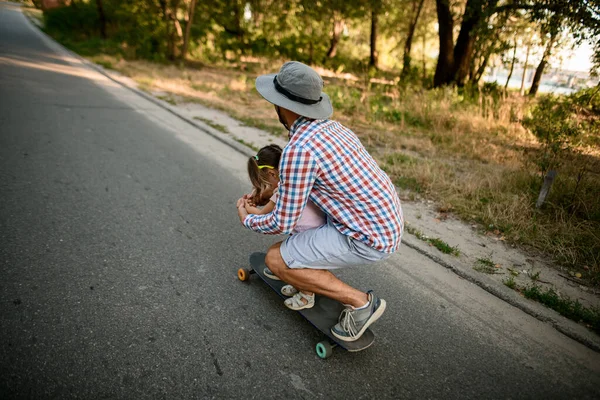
(256, 158)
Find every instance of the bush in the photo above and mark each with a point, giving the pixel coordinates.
(81, 20)
(553, 123)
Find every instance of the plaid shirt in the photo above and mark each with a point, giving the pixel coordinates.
(326, 162)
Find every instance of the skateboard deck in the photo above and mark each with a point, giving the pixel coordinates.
(323, 316)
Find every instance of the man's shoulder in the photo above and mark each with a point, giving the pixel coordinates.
(315, 131)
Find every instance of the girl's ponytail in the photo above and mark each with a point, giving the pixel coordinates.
(268, 157)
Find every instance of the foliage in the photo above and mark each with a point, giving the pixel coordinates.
(563, 305)
(135, 29)
(435, 242)
(552, 121)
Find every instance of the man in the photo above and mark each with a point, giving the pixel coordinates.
(326, 163)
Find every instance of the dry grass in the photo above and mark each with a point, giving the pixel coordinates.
(468, 155)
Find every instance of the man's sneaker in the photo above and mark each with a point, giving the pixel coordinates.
(353, 323)
(269, 274)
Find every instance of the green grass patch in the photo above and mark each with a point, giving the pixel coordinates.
(444, 247)
(510, 282)
(564, 306)
(401, 116)
(251, 145)
(399, 159)
(201, 87)
(259, 123)
(485, 265)
(219, 127)
(435, 242)
(168, 99)
(105, 64)
(408, 182)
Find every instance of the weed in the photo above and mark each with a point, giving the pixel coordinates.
(414, 231)
(201, 87)
(534, 276)
(168, 99)
(251, 145)
(399, 159)
(510, 282)
(105, 64)
(565, 306)
(485, 265)
(436, 242)
(410, 183)
(260, 124)
(212, 124)
(444, 247)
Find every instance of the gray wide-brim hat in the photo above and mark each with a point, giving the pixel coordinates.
(298, 88)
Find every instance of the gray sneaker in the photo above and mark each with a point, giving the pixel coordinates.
(353, 323)
(269, 274)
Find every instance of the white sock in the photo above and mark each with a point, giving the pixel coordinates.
(363, 307)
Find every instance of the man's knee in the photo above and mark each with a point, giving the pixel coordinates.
(273, 260)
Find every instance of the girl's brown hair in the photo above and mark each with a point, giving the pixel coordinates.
(269, 156)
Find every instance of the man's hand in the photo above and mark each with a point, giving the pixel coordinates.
(241, 207)
(251, 207)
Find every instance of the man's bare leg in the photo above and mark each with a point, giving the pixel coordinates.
(319, 281)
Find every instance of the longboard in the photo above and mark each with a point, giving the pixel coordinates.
(322, 316)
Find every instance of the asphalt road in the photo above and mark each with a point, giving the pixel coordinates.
(119, 245)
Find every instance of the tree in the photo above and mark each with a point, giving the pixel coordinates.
(512, 67)
(406, 59)
(188, 27)
(101, 18)
(375, 10)
(539, 71)
(444, 73)
(336, 32)
(549, 33)
(525, 66)
(581, 16)
(490, 39)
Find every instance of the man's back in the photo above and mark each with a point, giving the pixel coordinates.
(348, 184)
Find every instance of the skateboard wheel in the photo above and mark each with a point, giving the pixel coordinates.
(324, 349)
(243, 274)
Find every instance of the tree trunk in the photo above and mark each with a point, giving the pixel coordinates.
(373, 58)
(479, 73)
(409, 38)
(463, 51)
(424, 58)
(512, 68)
(454, 61)
(539, 71)
(101, 17)
(472, 64)
(164, 6)
(445, 64)
(522, 91)
(338, 26)
(188, 28)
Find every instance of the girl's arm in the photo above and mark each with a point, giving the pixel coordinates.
(260, 211)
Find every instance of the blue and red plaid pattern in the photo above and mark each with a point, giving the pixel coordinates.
(326, 162)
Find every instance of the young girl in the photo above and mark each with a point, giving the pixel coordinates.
(264, 176)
